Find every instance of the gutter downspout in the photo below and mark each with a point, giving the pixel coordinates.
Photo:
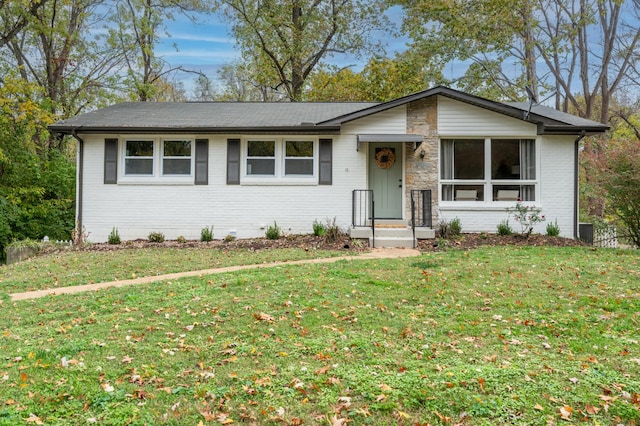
(576, 185)
(80, 173)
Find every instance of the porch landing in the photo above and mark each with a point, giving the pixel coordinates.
(391, 233)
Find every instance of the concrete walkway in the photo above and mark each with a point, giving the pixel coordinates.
(380, 253)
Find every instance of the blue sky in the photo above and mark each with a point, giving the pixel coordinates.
(206, 46)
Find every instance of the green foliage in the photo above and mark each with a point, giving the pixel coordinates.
(206, 234)
(181, 239)
(318, 228)
(273, 232)
(37, 179)
(527, 216)
(504, 228)
(621, 181)
(114, 236)
(553, 230)
(449, 229)
(156, 237)
(228, 238)
(286, 41)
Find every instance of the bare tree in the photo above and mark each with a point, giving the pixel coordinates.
(286, 40)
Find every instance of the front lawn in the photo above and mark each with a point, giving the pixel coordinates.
(69, 268)
(503, 335)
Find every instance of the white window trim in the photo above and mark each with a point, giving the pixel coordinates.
(487, 183)
(157, 178)
(279, 178)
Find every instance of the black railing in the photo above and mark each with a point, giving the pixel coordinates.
(363, 211)
(421, 216)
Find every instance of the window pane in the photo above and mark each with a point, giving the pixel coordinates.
(298, 166)
(176, 166)
(139, 149)
(469, 159)
(261, 167)
(138, 166)
(506, 192)
(469, 192)
(505, 159)
(299, 149)
(177, 148)
(261, 148)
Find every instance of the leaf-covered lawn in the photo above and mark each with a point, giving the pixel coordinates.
(85, 267)
(490, 336)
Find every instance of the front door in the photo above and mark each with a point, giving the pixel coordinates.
(385, 179)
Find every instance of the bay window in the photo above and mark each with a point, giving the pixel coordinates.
(488, 169)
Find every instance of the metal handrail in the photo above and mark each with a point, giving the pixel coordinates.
(363, 211)
(424, 208)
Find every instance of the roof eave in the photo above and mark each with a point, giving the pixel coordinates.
(571, 130)
(307, 129)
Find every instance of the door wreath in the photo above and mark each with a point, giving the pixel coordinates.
(385, 158)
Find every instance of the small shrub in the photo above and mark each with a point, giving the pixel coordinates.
(229, 238)
(504, 228)
(450, 229)
(332, 231)
(318, 228)
(206, 234)
(553, 230)
(181, 239)
(273, 232)
(156, 237)
(527, 217)
(114, 236)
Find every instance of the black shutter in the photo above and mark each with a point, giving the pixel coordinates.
(110, 161)
(325, 175)
(202, 162)
(233, 161)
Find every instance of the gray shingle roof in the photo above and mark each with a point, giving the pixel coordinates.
(208, 115)
(327, 117)
(554, 114)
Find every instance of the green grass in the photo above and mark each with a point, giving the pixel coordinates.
(491, 336)
(86, 267)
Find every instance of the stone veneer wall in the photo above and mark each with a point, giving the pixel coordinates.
(422, 173)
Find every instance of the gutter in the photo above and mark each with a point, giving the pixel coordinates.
(80, 174)
(576, 185)
(304, 129)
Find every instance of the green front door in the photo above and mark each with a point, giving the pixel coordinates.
(385, 179)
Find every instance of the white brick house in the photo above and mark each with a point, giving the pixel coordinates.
(178, 167)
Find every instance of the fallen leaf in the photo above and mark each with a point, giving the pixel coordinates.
(126, 360)
(591, 409)
(264, 317)
(565, 412)
(538, 407)
(335, 421)
(34, 419)
(481, 382)
(107, 387)
(385, 388)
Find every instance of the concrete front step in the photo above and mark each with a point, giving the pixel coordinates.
(391, 242)
(392, 236)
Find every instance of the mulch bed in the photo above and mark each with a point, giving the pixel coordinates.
(343, 243)
(470, 241)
